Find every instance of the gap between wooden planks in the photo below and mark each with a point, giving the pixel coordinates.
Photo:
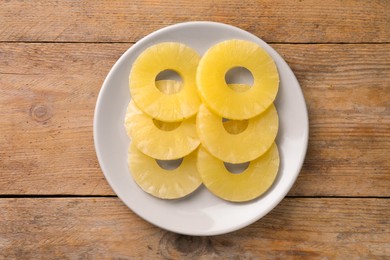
(315, 21)
(95, 228)
(48, 94)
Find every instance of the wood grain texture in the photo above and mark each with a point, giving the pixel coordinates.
(347, 91)
(127, 21)
(48, 94)
(54, 56)
(103, 228)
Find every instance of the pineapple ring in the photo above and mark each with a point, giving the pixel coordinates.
(225, 101)
(245, 186)
(142, 81)
(241, 147)
(159, 139)
(161, 183)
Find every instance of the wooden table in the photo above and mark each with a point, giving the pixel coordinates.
(54, 200)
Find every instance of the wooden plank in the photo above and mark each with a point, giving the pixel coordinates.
(128, 21)
(48, 93)
(347, 90)
(100, 228)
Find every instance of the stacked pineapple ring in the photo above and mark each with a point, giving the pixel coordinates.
(235, 124)
(161, 120)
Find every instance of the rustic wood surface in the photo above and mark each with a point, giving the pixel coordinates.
(54, 200)
(96, 228)
(128, 21)
(49, 92)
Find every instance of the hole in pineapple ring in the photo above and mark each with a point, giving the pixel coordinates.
(166, 126)
(234, 127)
(169, 165)
(239, 79)
(236, 168)
(168, 82)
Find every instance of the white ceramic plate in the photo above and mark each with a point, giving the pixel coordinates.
(200, 213)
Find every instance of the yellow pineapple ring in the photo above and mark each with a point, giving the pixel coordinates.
(161, 183)
(245, 186)
(235, 147)
(142, 81)
(160, 140)
(230, 103)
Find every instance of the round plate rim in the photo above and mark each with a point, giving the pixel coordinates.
(111, 181)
